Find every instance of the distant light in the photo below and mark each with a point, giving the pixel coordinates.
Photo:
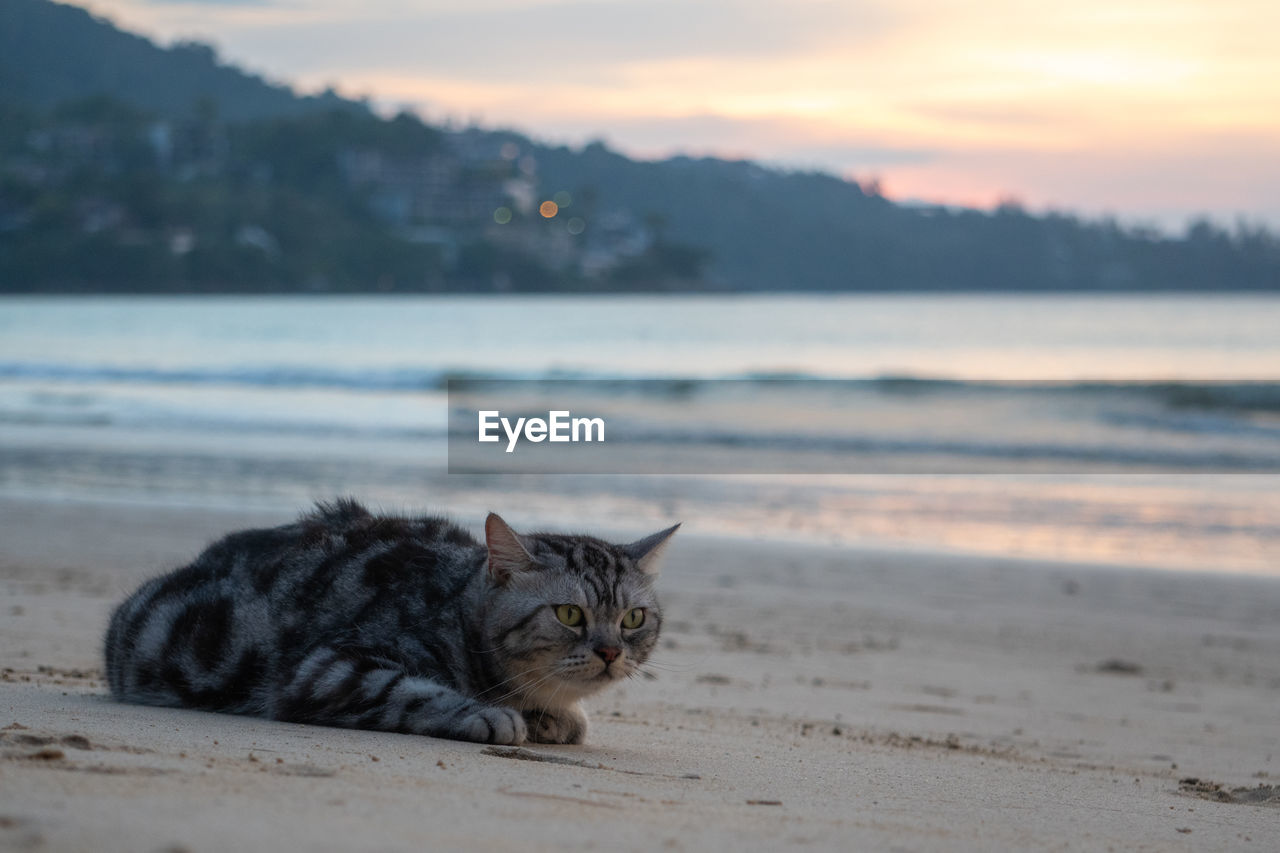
(563, 198)
(549, 209)
(502, 215)
(576, 226)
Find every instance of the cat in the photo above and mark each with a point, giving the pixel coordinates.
(347, 618)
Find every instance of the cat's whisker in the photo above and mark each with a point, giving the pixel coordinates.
(507, 681)
(512, 692)
(669, 667)
(674, 666)
(550, 702)
(524, 688)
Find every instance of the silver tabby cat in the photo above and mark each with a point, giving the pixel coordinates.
(347, 618)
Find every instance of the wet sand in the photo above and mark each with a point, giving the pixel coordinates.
(806, 697)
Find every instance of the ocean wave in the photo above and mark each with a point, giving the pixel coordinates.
(232, 424)
(255, 376)
(1240, 395)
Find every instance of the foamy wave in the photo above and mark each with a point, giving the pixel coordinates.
(1254, 395)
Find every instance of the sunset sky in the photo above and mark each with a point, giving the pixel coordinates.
(1153, 110)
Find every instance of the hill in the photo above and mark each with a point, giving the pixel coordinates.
(770, 229)
(125, 166)
(51, 53)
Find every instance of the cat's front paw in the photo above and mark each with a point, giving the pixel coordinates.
(564, 725)
(493, 724)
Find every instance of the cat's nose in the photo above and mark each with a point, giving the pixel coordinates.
(608, 653)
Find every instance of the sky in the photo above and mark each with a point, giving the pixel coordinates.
(1154, 111)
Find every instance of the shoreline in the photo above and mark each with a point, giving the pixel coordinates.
(469, 504)
(819, 696)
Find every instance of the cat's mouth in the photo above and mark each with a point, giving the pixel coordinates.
(604, 676)
(588, 677)
(611, 672)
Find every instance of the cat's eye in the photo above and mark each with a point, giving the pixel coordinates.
(633, 618)
(569, 614)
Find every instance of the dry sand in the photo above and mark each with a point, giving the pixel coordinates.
(806, 697)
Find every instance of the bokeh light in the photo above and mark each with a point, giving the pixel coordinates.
(548, 209)
(502, 215)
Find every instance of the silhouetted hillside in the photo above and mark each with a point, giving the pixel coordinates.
(128, 167)
(769, 229)
(50, 53)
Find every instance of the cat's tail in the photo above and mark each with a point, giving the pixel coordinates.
(178, 642)
(119, 643)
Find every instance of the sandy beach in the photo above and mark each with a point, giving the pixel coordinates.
(806, 697)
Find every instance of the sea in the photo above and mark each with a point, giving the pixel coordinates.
(1137, 430)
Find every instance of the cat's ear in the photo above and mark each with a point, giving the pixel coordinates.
(647, 552)
(507, 554)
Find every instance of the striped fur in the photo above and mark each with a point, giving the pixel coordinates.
(351, 619)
